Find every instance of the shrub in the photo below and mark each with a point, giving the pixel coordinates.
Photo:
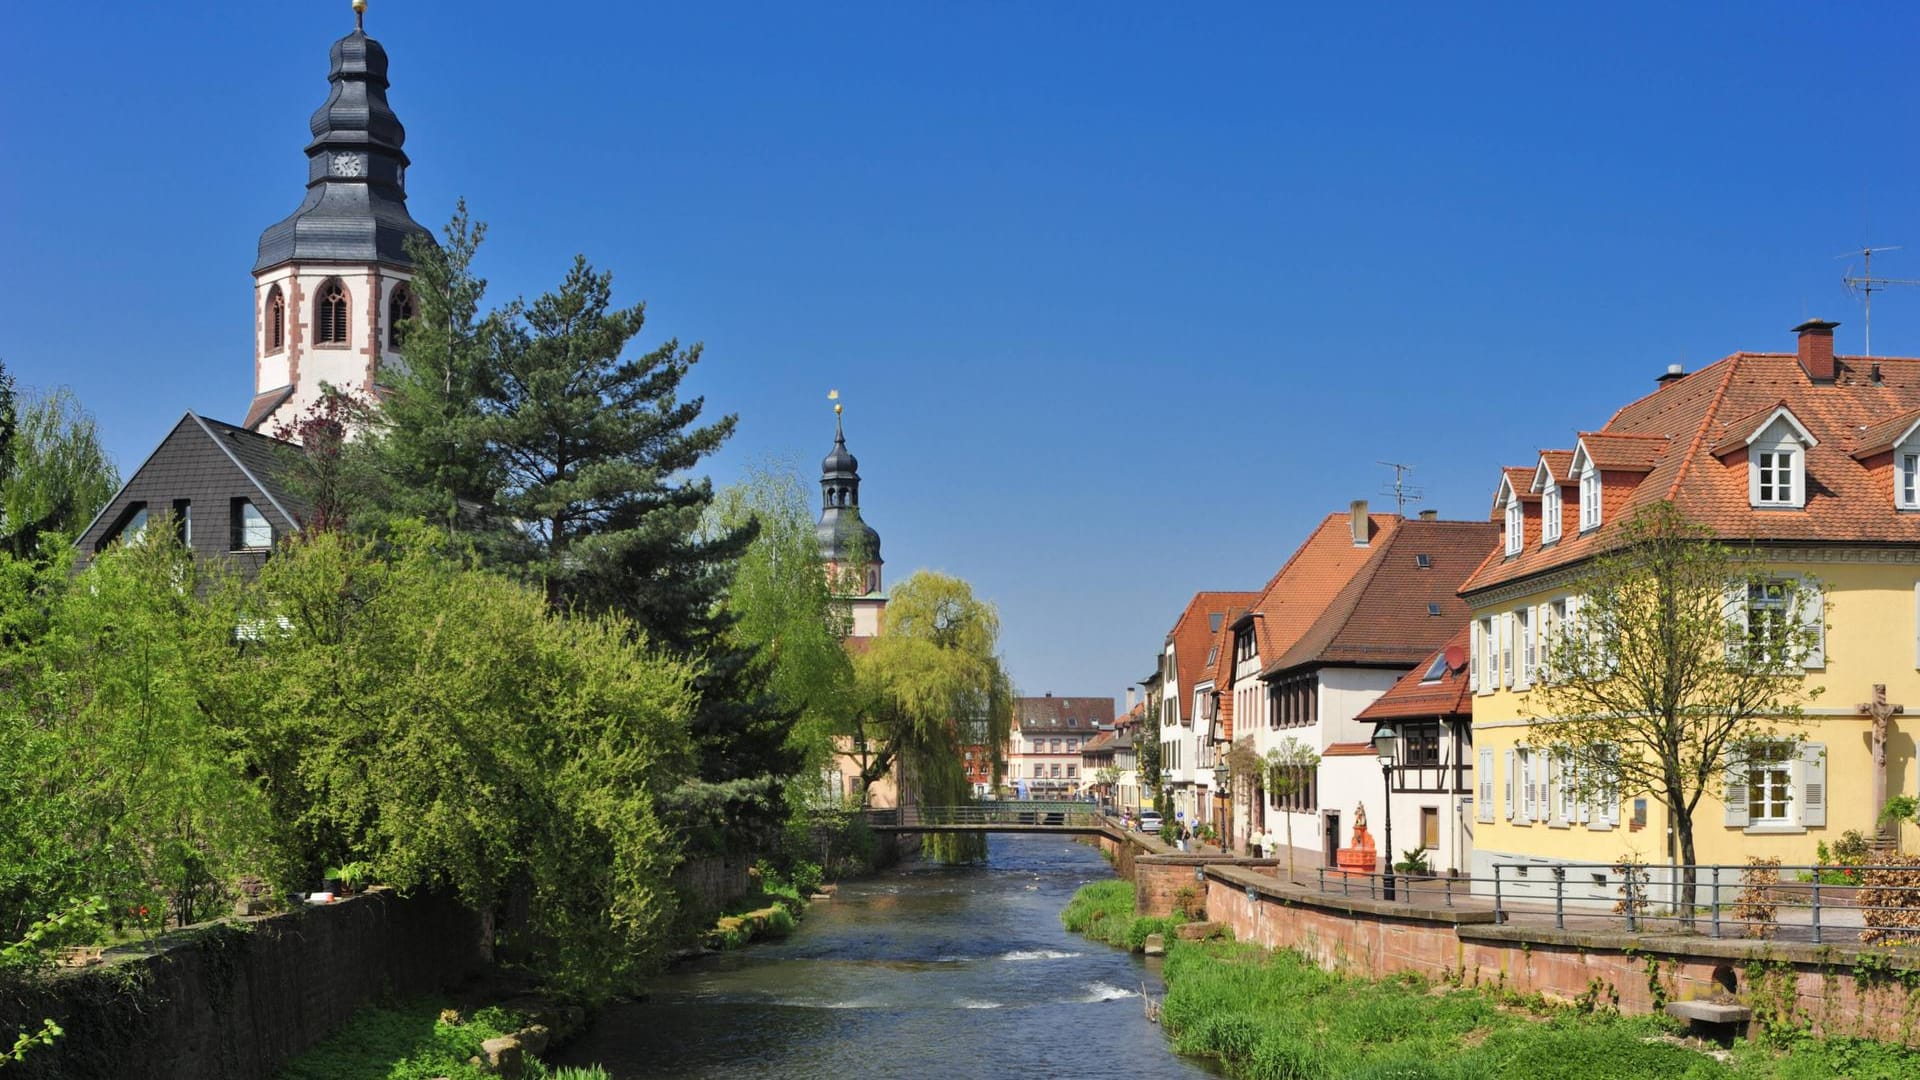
(1754, 908)
(1890, 900)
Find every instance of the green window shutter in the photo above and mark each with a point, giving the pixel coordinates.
(1813, 784)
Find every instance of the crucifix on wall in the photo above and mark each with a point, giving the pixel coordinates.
(1881, 712)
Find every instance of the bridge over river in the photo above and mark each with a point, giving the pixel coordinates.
(1009, 816)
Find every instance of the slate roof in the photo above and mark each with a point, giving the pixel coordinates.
(1413, 696)
(206, 463)
(1661, 447)
(356, 211)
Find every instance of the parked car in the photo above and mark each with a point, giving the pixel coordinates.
(1150, 821)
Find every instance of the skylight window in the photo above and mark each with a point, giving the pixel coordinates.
(1424, 562)
(1433, 607)
(1438, 669)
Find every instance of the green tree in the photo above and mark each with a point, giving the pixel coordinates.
(1660, 685)
(781, 605)
(136, 794)
(569, 457)
(1290, 768)
(55, 476)
(440, 722)
(931, 683)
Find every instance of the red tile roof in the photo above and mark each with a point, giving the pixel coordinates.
(1313, 576)
(1414, 696)
(1559, 464)
(1194, 632)
(1670, 434)
(1349, 749)
(1383, 615)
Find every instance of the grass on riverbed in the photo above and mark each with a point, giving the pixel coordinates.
(1278, 1016)
(410, 1041)
(1103, 911)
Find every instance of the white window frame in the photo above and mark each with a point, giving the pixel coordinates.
(1523, 758)
(1489, 655)
(1590, 494)
(1524, 647)
(1486, 784)
(1550, 512)
(1906, 476)
(1774, 484)
(1516, 522)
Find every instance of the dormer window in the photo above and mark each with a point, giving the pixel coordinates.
(251, 530)
(1550, 512)
(1516, 524)
(1774, 483)
(1589, 497)
(1906, 478)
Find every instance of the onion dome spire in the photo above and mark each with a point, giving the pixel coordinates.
(355, 210)
(844, 537)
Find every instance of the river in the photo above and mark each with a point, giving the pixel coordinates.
(924, 971)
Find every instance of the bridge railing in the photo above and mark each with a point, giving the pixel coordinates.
(987, 815)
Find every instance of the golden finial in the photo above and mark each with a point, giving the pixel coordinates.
(359, 14)
(834, 396)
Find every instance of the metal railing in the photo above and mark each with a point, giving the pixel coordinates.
(1062, 814)
(1808, 902)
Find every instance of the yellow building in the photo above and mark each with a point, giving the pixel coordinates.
(1815, 459)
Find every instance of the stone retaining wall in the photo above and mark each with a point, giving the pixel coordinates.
(237, 1002)
(1837, 989)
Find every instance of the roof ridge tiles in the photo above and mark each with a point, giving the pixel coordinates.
(1706, 425)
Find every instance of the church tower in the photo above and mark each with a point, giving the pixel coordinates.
(848, 544)
(331, 282)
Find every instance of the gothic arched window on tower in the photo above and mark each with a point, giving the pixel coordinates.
(399, 313)
(276, 320)
(330, 314)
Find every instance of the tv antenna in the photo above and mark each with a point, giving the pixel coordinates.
(1402, 492)
(1865, 285)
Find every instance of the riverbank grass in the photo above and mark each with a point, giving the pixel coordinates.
(1104, 911)
(1278, 1016)
(417, 1040)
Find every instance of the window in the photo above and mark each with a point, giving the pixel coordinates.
(1774, 478)
(1243, 645)
(1056, 770)
(1073, 721)
(330, 314)
(1423, 562)
(1550, 512)
(1056, 746)
(1506, 649)
(251, 531)
(276, 320)
(1516, 523)
(1589, 498)
(1524, 758)
(1073, 746)
(399, 313)
(1421, 745)
(1433, 607)
(1437, 670)
(132, 524)
(1908, 477)
(1072, 772)
(1769, 782)
(1486, 785)
(183, 521)
(1767, 629)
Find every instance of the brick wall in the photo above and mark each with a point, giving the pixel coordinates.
(238, 1003)
(1362, 938)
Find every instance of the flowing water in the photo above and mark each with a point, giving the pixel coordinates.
(925, 972)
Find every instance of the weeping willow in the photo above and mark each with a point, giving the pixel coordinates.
(929, 685)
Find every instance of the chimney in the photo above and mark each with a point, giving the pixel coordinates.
(1816, 349)
(1674, 374)
(1129, 699)
(1429, 515)
(1360, 530)
(1049, 693)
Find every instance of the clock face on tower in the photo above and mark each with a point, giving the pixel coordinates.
(346, 164)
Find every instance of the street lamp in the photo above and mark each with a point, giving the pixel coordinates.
(1386, 743)
(1221, 775)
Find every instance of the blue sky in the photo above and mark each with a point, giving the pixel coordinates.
(1121, 298)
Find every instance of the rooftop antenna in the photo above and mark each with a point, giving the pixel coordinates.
(1865, 285)
(1402, 492)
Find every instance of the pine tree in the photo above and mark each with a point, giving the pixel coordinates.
(570, 463)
